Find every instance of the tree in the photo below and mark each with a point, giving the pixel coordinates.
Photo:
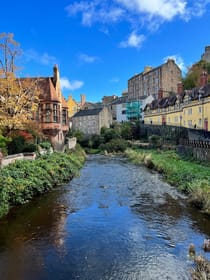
(192, 78)
(19, 97)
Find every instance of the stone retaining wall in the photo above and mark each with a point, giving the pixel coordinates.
(72, 142)
(197, 153)
(12, 158)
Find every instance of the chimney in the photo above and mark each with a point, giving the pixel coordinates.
(55, 74)
(83, 99)
(160, 93)
(203, 79)
(56, 80)
(180, 88)
(147, 69)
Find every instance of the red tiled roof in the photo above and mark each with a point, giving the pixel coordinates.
(64, 103)
(47, 90)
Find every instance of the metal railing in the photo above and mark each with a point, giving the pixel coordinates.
(195, 143)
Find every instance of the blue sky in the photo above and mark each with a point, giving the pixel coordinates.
(98, 45)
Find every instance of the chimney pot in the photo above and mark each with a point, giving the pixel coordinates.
(180, 88)
(160, 93)
(203, 79)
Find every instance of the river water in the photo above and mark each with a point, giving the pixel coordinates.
(116, 221)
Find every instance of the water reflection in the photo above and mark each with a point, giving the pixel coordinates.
(115, 221)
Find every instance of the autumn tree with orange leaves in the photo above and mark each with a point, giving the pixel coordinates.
(18, 96)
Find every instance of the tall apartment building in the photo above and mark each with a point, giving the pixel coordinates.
(206, 55)
(151, 80)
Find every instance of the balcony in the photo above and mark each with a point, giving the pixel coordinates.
(51, 126)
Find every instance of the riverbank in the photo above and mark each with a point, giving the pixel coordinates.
(189, 177)
(23, 180)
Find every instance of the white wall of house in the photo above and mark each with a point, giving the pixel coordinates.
(121, 112)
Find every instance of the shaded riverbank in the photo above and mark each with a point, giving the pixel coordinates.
(115, 221)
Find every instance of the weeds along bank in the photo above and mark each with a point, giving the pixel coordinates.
(24, 179)
(190, 177)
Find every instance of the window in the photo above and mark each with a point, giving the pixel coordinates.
(176, 119)
(199, 109)
(55, 113)
(189, 123)
(64, 116)
(47, 113)
(200, 122)
(190, 111)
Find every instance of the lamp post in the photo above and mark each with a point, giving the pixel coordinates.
(180, 124)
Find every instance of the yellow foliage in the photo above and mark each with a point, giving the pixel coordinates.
(19, 101)
(19, 98)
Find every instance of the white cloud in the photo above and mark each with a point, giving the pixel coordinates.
(87, 58)
(44, 59)
(115, 80)
(95, 11)
(178, 60)
(134, 40)
(150, 14)
(147, 11)
(70, 85)
(161, 8)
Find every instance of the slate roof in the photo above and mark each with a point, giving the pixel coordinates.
(91, 105)
(119, 100)
(163, 102)
(88, 112)
(193, 94)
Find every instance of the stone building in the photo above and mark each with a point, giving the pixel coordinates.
(91, 121)
(107, 100)
(206, 55)
(151, 80)
(72, 106)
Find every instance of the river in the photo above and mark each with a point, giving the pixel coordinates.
(116, 221)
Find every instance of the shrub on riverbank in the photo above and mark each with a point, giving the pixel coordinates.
(114, 145)
(22, 180)
(190, 177)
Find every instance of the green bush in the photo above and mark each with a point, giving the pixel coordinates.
(45, 145)
(29, 148)
(155, 141)
(115, 145)
(16, 145)
(24, 179)
(110, 133)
